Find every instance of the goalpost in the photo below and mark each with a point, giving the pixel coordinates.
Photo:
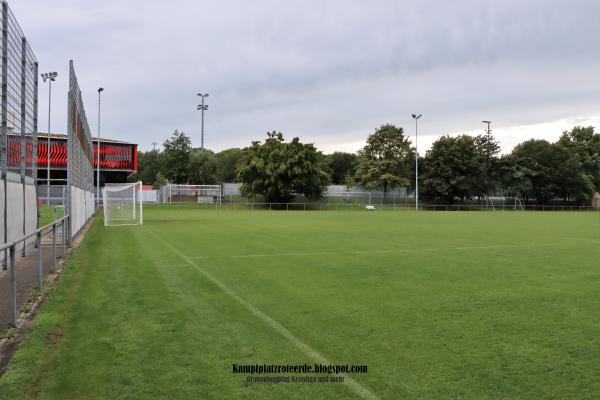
(122, 204)
(200, 194)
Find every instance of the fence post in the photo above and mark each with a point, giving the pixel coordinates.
(40, 256)
(13, 287)
(53, 246)
(287, 206)
(62, 238)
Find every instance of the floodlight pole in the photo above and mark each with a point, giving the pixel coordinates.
(203, 108)
(50, 77)
(487, 160)
(416, 118)
(100, 90)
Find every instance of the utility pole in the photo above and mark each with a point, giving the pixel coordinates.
(203, 108)
(487, 162)
(100, 90)
(154, 145)
(50, 77)
(416, 118)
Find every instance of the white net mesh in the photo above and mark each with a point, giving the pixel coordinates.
(211, 194)
(123, 204)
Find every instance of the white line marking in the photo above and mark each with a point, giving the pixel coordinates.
(309, 351)
(367, 252)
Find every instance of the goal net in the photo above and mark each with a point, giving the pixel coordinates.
(202, 194)
(122, 204)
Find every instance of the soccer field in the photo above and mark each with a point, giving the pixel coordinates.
(480, 305)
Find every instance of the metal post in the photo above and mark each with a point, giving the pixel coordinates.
(4, 150)
(202, 107)
(417, 164)
(34, 164)
(40, 257)
(416, 118)
(53, 246)
(23, 128)
(62, 238)
(100, 90)
(13, 287)
(49, 152)
(202, 133)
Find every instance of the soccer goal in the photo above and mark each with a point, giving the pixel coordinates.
(201, 194)
(122, 204)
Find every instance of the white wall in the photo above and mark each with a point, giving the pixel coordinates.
(14, 212)
(82, 208)
(150, 196)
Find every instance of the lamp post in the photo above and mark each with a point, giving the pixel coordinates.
(203, 108)
(487, 160)
(416, 118)
(100, 90)
(50, 77)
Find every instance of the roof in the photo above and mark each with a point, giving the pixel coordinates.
(64, 137)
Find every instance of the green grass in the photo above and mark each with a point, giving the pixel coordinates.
(437, 305)
(46, 214)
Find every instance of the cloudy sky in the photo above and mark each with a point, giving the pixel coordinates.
(329, 71)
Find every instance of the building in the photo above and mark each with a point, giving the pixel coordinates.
(118, 160)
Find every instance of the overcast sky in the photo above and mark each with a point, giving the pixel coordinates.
(329, 71)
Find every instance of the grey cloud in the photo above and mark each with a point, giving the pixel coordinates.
(326, 71)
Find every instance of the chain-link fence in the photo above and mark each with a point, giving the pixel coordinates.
(80, 167)
(18, 127)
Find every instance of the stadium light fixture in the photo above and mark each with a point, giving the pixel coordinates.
(50, 77)
(100, 90)
(416, 118)
(202, 107)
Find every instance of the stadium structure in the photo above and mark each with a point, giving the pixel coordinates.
(118, 160)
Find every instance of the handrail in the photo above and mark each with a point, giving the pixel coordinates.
(21, 239)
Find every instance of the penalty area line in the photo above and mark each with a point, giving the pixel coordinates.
(353, 385)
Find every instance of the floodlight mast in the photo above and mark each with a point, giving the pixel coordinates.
(50, 77)
(100, 90)
(203, 108)
(487, 161)
(416, 118)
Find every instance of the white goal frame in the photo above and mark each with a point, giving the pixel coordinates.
(124, 195)
(203, 194)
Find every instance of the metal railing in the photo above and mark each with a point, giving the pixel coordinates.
(52, 229)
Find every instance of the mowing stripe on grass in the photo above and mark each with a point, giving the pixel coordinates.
(306, 349)
(367, 252)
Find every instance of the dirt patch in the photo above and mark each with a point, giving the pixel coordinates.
(54, 337)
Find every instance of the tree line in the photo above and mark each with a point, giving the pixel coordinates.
(455, 169)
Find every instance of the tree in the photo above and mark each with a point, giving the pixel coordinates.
(202, 167)
(515, 179)
(556, 172)
(386, 160)
(488, 149)
(452, 169)
(342, 166)
(176, 156)
(160, 181)
(227, 163)
(149, 166)
(585, 145)
(278, 170)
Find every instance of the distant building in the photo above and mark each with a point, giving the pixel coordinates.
(118, 160)
(596, 200)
